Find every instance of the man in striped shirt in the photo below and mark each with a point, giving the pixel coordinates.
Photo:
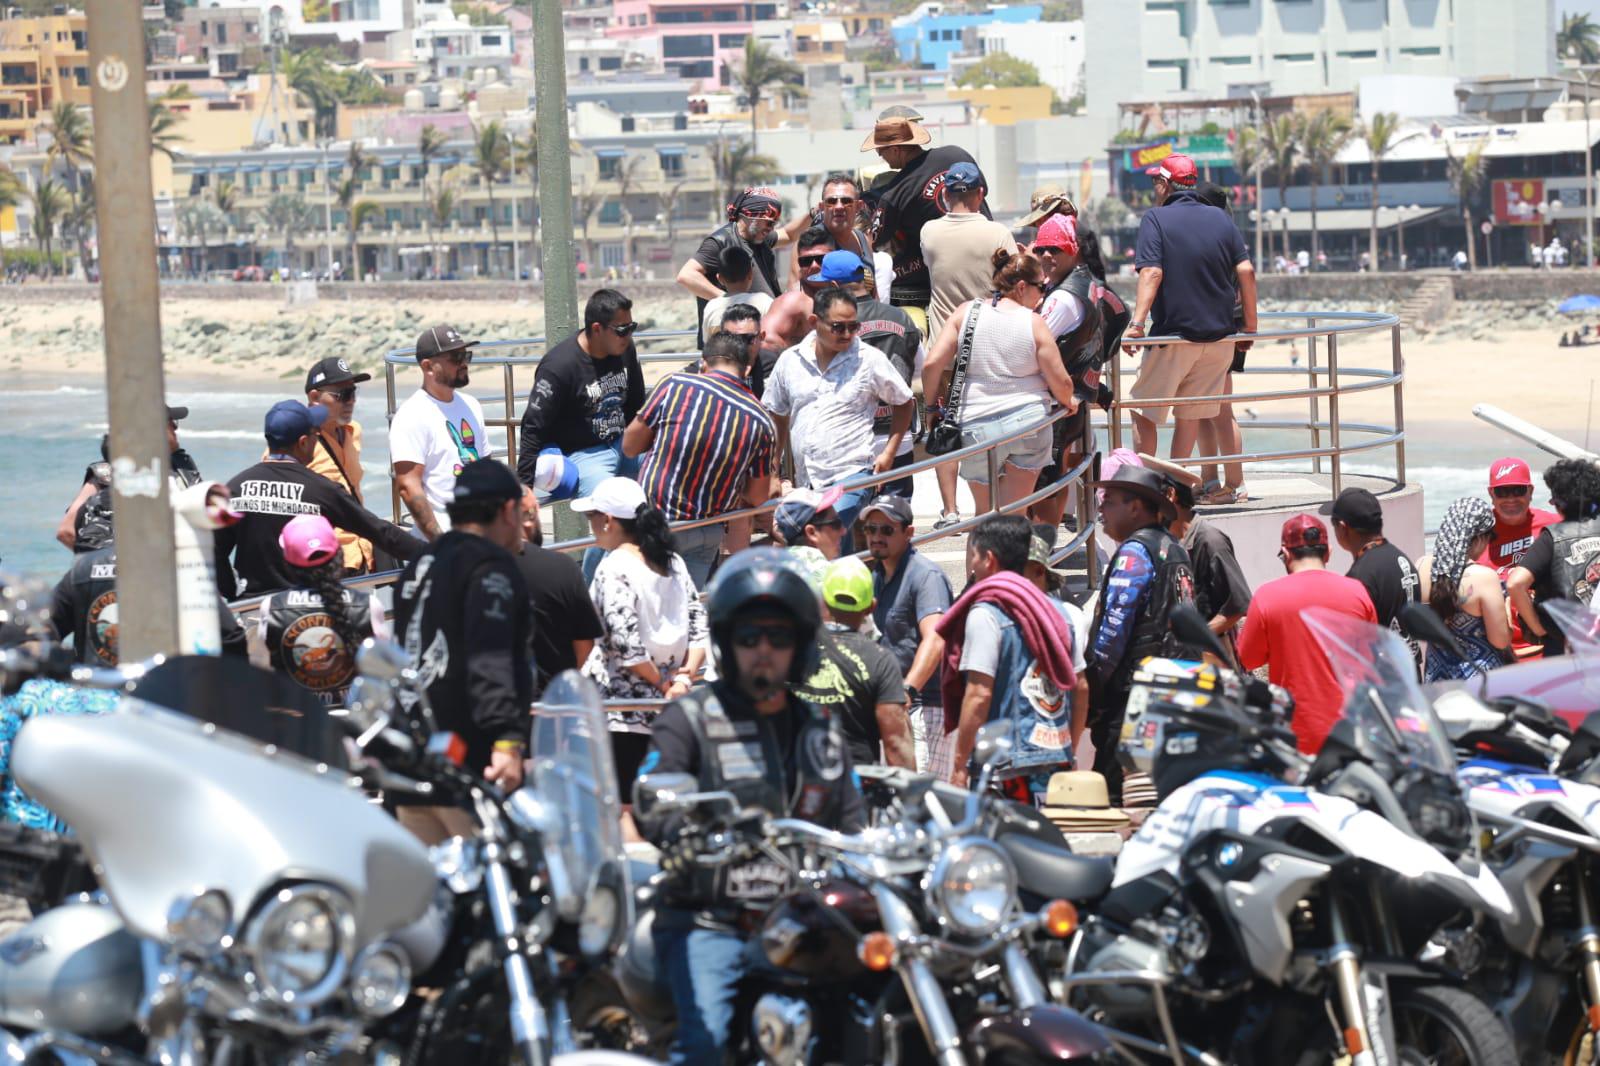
(710, 448)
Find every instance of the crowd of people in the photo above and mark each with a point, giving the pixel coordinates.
(772, 670)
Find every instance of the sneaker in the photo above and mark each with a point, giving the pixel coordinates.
(946, 520)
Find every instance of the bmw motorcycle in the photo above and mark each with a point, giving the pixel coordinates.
(1273, 909)
(905, 943)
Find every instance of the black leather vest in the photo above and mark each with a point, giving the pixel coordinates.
(1172, 584)
(1575, 561)
(93, 591)
(892, 332)
(1088, 346)
(306, 645)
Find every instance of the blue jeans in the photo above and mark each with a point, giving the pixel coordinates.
(594, 466)
(703, 967)
(699, 548)
(849, 506)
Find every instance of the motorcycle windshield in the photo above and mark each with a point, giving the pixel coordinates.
(1581, 627)
(571, 770)
(1382, 698)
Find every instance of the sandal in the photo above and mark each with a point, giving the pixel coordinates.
(1223, 496)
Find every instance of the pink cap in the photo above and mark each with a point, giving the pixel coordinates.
(1058, 231)
(308, 541)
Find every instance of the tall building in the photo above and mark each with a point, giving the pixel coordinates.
(42, 61)
(1155, 50)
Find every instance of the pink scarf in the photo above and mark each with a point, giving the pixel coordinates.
(1043, 628)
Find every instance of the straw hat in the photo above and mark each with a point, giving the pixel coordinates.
(1047, 200)
(1077, 802)
(1180, 474)
(893, 131)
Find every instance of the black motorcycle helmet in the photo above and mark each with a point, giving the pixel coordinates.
(763, 577)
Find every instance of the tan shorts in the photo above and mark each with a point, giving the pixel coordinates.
(1183, 370)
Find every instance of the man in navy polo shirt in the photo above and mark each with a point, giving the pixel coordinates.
(1192, 264)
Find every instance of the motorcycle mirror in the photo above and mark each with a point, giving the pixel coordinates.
(382, 660)
(655, 793)
(1191, 628)
(1421, 622)
(994, 740)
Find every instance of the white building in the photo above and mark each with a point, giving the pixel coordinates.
(1154, 50)
(450, 47)
(1054, 48)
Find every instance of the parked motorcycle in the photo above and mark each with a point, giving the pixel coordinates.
(1273, 909)
(900, 944)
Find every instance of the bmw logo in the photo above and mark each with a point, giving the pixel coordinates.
(1228, 854)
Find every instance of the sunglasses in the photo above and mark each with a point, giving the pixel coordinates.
(838, 201)
(827, 523)
(460, 358)
(1034, 282)
(625, 330)
(1511, 492)
(842, 329)
(810, 260)
(880, 531)
(779, 637)
(769, 215)
(344, 395)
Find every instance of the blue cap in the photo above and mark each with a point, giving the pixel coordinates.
(555, 475)
(289, 420)
(840, 266)
(963, 177)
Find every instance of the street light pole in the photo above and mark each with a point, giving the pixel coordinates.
(1260, 251)
(327, 207)
(1588, 178)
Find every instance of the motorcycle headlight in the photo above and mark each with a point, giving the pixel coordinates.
(299, 943)
(598, 923)
(972, 887)
(202, 923)
(380, 980)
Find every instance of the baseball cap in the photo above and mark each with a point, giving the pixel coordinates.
(176, 414)
(486, 479)
(619, 497)
(847, 585)
(799, 508)
(840, 266)
(1509, 471)
(1058, 231)
(1356, 508)
(332, 371)
(308, 540)
(963, 177)
(289, 420)
(1039, 552)
(555, 474)
(1178, 169)
(437, 340)
(895, 507)
(1305, 531)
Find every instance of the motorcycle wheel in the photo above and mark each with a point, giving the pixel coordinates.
(1440, 1026)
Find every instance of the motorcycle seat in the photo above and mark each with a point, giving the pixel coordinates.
(1050, 872)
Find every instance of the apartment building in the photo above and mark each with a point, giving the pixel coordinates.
(42, 61)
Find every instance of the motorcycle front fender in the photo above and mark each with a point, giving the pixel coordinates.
(1046, 1033)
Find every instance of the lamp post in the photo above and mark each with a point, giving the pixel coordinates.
(1256, 99)
(327, 205)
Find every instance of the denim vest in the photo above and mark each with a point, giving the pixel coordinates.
(1040, 713)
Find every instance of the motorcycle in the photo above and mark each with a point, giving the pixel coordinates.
(911, 932)
(1273, 909)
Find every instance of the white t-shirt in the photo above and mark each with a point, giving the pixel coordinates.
(1062, 311)
(711, 319)
(443, 437)
(882, 274)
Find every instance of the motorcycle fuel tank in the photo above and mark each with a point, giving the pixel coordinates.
(165, 806)
(802, 936)
(74, 968)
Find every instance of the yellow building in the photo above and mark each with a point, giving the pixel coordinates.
(818, 42)
(1006, 107)
(42, 61)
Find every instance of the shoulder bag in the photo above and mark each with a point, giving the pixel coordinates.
(946, 436)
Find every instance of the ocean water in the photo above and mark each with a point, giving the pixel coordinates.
(49, 433)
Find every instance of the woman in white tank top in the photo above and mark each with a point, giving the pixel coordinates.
(1015, 378)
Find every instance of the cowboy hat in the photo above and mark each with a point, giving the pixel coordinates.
(1146, 484)
(1077, 802)
(1171, 471)
(893, 131)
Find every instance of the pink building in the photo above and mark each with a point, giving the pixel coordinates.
(698, 37)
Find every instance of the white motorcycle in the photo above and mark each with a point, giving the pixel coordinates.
(1272, 910)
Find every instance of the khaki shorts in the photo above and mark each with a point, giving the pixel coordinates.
(1183, 370)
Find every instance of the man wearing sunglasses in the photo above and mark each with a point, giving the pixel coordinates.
(332, 384)
(438, 431)
(788, 320)
(838, 214)
(1516, 525)
(752, 225)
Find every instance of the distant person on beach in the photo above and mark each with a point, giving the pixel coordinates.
(437, 431)
(1516, 524)
(332, 384)
(89, 509)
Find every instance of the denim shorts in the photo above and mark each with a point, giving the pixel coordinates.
(1025, 453)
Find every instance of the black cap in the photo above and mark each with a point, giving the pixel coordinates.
(176, 414)
(487, 479)
(437, 340)
(1356, 508)
(896, 507)
(332, 371)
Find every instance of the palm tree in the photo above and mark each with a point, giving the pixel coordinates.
(1323, 134)
(309, 74)
(430, 144)
(491, 158)
(1466, 178)
(1579, 39)
(72, 144)
(199, 218)
(288, 213)
(164, 124)
(666, 204)
(737, 165)
(1379, 133)
(763, 69)
(440, 209)
(50, 206)
(11, 191)
(1280, 146)
(584, 206)
(627, 179)
(1248, 160)
(225, 194)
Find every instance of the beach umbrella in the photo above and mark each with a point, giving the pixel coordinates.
(1574, 304)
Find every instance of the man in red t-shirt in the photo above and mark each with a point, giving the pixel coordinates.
(1516, 525)
(1276, 636)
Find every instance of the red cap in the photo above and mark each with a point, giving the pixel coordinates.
(1509, 471)
(1178, 169)
(1305, 531)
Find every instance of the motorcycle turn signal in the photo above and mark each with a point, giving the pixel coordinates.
(1059, 918)
(876, 952)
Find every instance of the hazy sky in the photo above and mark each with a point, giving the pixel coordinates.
(1586, 7)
